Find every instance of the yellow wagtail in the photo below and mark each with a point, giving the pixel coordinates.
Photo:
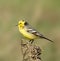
(29, 32)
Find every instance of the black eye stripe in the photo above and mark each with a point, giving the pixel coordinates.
(25, 23)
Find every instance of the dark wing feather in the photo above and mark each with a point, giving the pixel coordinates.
(33, 31)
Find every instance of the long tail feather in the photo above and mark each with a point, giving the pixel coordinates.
(47, 39)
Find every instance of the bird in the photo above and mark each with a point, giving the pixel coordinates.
(29, 32)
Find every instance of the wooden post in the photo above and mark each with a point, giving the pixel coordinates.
(30, 52)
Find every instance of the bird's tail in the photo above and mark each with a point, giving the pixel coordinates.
(46, 39)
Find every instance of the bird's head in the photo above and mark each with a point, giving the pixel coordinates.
(22, 23)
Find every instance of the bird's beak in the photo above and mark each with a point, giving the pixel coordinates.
(16, 25)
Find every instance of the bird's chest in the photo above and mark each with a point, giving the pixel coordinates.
(27, 34)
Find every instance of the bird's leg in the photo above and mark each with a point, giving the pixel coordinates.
(31, 41)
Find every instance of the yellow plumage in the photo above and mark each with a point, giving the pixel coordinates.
(27, 34)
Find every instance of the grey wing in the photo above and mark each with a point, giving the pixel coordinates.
(33, 31)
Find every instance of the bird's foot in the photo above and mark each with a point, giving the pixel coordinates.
(31, 41)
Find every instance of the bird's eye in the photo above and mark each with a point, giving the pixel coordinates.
(19, 23)
(26, 23)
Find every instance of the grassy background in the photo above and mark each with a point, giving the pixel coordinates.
(44, 15)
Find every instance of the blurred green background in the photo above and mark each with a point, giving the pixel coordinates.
(44, 15)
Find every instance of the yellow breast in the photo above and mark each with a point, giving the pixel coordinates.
(27, 34)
